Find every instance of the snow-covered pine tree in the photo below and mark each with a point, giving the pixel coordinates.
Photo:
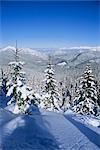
(86, 100)
(17, 88)
(4, 81)
(16, 85)
(66, 99)
(51, 97)
(3, 89)
(98, 85)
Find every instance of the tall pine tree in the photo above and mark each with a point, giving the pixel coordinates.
(86, 98)
(17, 88)
(51, 99)
(3, 88)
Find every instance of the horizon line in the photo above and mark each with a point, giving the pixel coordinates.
(65, 47)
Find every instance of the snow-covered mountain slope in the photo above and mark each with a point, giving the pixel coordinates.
(76, 58)
(60, 51)
(29, 51)
(46, 131)
(7, 48)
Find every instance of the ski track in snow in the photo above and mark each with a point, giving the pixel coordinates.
(51, 131)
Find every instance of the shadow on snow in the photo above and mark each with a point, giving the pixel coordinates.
(28, 133)
(90, 134)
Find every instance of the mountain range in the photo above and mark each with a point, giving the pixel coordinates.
(66, 61)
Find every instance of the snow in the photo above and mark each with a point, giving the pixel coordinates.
(69, 112)
(15, 64)
(62, 64)
(38, 96)
(10, 91)
(34, 52)
(94, 122)
(31, 51)
(16, 110)
(46, 131)
(49, 70)
(8, 48)
(88, 120)
(87, 47)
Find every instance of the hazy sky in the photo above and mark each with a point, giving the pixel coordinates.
(50, 24)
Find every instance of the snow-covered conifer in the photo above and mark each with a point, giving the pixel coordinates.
(66, 99)
(98, 85)
(86, 98)
(17, 88)
(17, 85)
(51, 98)
(3, 88)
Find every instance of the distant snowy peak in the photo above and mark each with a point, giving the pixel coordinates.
(8, 48)
(22, 50)
(43, 53)
(30, 51)
(86, 48)
(64, 50)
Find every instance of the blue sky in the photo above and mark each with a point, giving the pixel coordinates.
(50, 24)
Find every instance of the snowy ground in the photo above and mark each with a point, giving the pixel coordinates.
(47, 131)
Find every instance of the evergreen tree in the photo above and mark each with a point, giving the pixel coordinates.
(4, 81)
(51, 98)
(66, 91)
(17, 88)
(3, 89)
(86, 100)
(16, 84)
(98, 85)
(66, 99)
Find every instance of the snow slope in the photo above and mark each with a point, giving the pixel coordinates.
(46, 131)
